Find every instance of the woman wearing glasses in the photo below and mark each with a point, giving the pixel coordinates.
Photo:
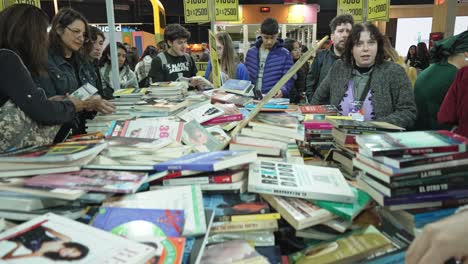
(67, 69)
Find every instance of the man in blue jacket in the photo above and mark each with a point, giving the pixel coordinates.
(268, 61)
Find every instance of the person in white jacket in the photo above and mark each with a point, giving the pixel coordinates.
(144, 65)
(127, 77)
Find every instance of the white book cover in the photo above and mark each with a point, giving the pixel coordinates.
(203, 113)
(187, 198)
(154, 128)
(301, 181)
(49, 238)
(84, 92)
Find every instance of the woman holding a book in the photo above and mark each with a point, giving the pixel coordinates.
(366, 86)
(27, 116)
(231, 68)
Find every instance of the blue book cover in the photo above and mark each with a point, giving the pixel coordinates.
(235, 204)
(208, 161)
(132, 222)
(233, 84)
(271, 106)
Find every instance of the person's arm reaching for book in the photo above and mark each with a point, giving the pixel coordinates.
(440, 241)
(19, 87)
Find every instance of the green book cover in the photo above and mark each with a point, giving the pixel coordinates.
(347, 211)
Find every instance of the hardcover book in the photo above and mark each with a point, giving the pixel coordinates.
(91, 180)
(208, 161)
(29, 240)
(319, 109)
(300, 181)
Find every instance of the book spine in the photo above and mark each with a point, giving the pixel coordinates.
(426, 197)
(419, 151)
(429, 188)
(255, 217)
(220, 179)
(222, 119)
(235, 227)
(431, 179)
(316, 125)
(109, 132)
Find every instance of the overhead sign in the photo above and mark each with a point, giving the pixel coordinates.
(226, 10)
(29, 2)
(196, 11)
(353, 7)
(378, 10)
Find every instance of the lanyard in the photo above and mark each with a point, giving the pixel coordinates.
(366, 89)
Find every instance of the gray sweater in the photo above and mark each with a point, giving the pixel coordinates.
(392, 97)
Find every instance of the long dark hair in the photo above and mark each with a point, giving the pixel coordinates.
(423, 53)
(23, 29)
(94, 32)
(355, 36)
(150, 50)
(106, 54)
(56, 255)
(61, 20)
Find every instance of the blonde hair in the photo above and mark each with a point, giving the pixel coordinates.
(228, 61)
(392, 54)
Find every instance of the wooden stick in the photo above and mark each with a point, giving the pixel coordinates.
(278, 86)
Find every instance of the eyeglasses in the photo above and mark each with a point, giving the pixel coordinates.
(78, 33)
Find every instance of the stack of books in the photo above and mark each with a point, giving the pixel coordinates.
(168, 90)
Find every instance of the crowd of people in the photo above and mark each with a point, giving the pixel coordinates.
(359, 73)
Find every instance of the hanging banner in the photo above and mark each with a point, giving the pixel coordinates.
(378, 10)
(215, 68)
(196, 11)
(226, 10)
(1, 5)
(353, 7)
(29, 2)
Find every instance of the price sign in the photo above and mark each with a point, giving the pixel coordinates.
(29, 2)
(226, 10)
(378, 10)
(353, 7)
(196, 11)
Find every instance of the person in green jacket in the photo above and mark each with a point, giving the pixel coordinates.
(448, 56)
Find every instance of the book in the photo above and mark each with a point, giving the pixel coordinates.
(364, 125)
(226, 205)
(210, 178)
(125, 144)
(245, 226)
(300, 181)
(91, 180)
(236, 251)
(242, 87)
(346, 250)
(154, 128)
(298, 213)
(130, 92)
(197, 248)
(17, 185)
(220, 135)
(203, 113)
(292, 133)
(187, 198)
(92, 245)
(415, 160)
(272, 253)
(27, 203)
(223, 97)
(347, 211)
(159, 105)
(200, 138)
(133, 223)
(69, 211)
(416, 142)
(259, 149)
(319, 109)
(277, 119)
(84, 92)
(61, 152)
(319, 232)
(208, 161)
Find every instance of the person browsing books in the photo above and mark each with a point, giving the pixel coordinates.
(44, 242)
(231, 68)
(268, 60)
(127, 78)
(366, 86)
(448, 56)
(66, 67)
(441, 241)
(298, 88)
(454, 108)
(174, 63)
(27, 116)
(340, 27)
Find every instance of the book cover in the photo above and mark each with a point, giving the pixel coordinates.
(300, 181)
(168, 249)
(61, 152)
(236, 251)
(154, 128)
(345, 250)
(187, 198)
(130, 92)
(84, 92)
(299, 213)
(416, 142)
(91, 180)
(221, 136)
(134, 223)
(318, 109)
(244, 226)
(347, 211)
(47, 237)
(223, 97)
(203, 113)
(211, 178)
(208, 161)
(414, 160)
(235, 204)
(200, 138)
(278, 119)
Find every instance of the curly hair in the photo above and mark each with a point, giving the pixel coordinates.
(354, 38)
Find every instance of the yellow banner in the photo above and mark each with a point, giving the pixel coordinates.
(378, 10)
(226, 10)
(353, 7)
(196, 11)
(215, 68)
(30, 2)
(1, 5)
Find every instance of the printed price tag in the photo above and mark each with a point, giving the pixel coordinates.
(226, 10)
(353, 7)
(378, 10)
(196, 11)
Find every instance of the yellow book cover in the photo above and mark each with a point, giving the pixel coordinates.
(255, 217)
